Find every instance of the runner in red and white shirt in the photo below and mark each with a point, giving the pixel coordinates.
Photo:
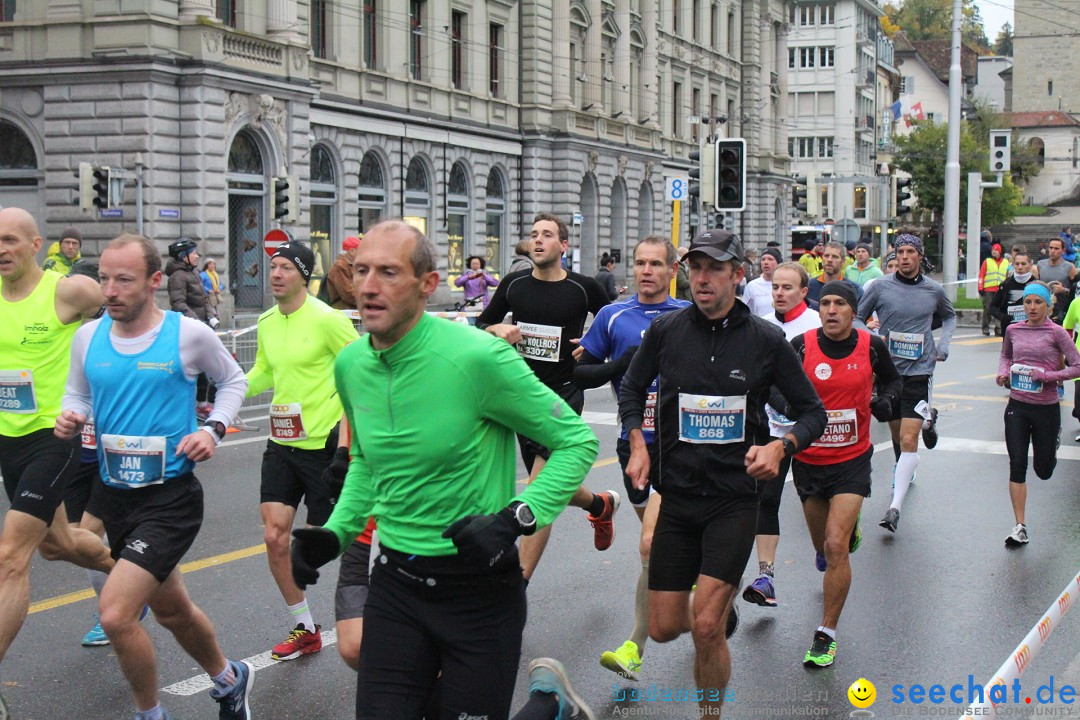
(832, 475)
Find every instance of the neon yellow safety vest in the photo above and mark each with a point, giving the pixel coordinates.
(995, 272)
(35, 354)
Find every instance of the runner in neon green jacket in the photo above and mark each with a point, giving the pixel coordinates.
(433, 421)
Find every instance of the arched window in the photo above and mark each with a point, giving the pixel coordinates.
(457, 221)
(244, 155)
(18, 161)
(495, 226)
(417, 195)
(637, 65)
(579, 79)
(372, 191)
(323, 193)
(1039, 147)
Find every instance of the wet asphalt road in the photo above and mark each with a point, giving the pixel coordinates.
(939, 601)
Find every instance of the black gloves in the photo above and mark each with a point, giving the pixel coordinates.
(484, 541)
(334, 474)
(311, 549)
(881, 408)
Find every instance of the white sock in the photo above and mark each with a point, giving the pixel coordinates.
(97, 580)
(831, 632)
(302, 615)
(905, 472)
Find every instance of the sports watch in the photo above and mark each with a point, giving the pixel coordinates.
(217, 429)
(789, 447)
(524, 516)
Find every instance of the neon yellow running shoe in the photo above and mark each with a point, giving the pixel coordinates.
(625, 662)
(856, 535)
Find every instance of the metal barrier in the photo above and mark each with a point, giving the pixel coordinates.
(242, 343)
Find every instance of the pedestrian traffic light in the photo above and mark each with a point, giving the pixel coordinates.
(718, 220)
(702, 181)
(730, 158)
(1000, 161)
(101, 188)
(85, 173)
(799, 198)
(285, 199)
(901, 194)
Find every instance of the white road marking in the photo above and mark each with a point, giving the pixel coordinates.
(203, 683)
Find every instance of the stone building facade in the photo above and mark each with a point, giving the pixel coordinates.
(463, 116)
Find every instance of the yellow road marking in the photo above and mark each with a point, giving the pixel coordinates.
(949, 384)
(980, 341)
(1004, 398)
(188, 567)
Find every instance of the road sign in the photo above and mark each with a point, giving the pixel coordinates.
(846, 230)
(578, 218)
(111, 213)
(675, 188)
(273, 239)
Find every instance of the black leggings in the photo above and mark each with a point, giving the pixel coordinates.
(1041, 426)
(769, 494)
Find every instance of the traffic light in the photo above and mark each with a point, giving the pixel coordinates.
(1000, 160)
(101, 188)
(730, 174)
(901, 194)
(85, 173)
(286, 203)
(799, 197)
(718, 220)
(702, 180)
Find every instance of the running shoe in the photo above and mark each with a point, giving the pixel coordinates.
(96, 637)
(233, 705)
(548, 675)
(1077, 438)
(300, 641)
(820, 563)
(732, 621)
(856, 536)
(761, 592)
(822, 651)
(625, 662)
(889, 522)
(1018, 536)
(929, 434)
(604, 524)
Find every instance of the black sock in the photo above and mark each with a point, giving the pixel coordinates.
(596, 506)
(541, 706)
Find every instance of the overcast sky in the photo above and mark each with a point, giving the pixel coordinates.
(995, 13)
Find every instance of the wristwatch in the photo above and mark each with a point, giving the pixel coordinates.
(217, 429)
(789, 447)
(524, 516)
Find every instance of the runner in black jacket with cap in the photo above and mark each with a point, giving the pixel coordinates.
(716, 363)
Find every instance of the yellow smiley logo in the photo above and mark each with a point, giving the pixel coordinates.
(862, 693)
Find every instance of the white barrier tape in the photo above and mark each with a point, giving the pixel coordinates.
(352, 315)
(1027, 650)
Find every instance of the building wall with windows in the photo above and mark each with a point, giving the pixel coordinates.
(1046, 73)
(835, 105)
(465, 117)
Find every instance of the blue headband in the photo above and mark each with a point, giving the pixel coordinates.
(1039, 290)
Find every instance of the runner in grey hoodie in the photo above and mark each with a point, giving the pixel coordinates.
(906, 303)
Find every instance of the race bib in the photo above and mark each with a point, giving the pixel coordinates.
(908, 346)
(1020, 379)
(540, 342)
(134, 461)
(648, 420)
(287, 423)
(89, 439)
(1017, 314)
(712, 419)
(17, 392)
(842, 429)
